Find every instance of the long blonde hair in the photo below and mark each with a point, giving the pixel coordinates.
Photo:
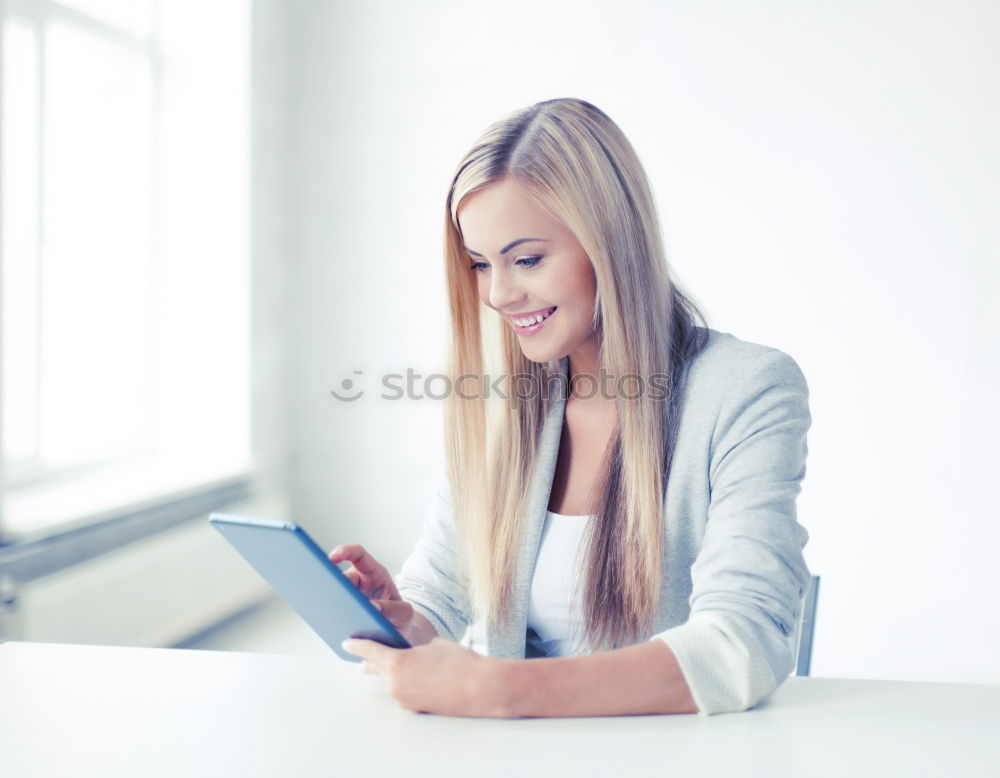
(576, 162)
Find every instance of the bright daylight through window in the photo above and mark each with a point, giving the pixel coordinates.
(124, 250)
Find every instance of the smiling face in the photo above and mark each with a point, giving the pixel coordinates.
(528, 264)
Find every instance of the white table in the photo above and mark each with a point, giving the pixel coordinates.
(69, 710)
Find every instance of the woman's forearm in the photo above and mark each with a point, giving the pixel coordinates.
(644, 678)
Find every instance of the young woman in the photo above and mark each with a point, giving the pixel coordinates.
(617, 524)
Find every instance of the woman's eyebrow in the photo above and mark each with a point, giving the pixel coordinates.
(509, 246)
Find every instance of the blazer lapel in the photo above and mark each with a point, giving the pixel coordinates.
(509, 642)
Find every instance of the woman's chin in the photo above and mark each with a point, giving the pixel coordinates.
(540, 354)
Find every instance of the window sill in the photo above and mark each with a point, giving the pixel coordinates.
(51, 528)
(36, 512)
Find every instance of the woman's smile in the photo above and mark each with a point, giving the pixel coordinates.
(537, 321)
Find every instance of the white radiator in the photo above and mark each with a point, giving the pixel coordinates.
(155, 592)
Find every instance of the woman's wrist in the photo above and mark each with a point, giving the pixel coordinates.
(504, 686)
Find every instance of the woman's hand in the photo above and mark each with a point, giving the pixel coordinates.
(438, 677)
(375, 582)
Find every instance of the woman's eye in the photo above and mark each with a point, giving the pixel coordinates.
(523, 261)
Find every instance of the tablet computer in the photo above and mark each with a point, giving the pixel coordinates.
(298, 570)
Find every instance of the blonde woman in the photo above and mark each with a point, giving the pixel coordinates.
(616, 532)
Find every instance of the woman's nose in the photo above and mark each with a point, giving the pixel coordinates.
(503, 290)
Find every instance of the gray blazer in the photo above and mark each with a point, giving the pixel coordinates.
(733, 571)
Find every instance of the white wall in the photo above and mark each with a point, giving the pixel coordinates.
(826, 173)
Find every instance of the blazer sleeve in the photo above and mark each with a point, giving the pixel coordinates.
(749, 576)
(428, 578)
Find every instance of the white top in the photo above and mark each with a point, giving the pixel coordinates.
(552, 613)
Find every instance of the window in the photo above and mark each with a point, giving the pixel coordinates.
(124, 255)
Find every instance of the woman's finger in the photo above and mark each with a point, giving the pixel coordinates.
(368, 575)
(357, 556)
(353, 576)
(397, 611)
(371, 651)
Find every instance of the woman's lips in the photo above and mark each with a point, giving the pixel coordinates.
(531, 329)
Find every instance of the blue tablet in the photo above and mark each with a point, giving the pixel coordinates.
(298, 570)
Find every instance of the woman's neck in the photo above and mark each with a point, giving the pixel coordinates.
(587, 384)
